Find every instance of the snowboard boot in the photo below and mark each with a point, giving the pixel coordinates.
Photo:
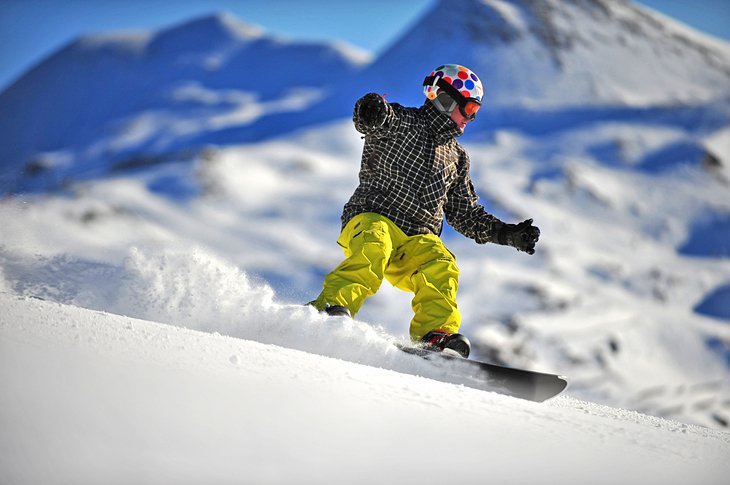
(450, 343)
(333, 310)
(337, 311)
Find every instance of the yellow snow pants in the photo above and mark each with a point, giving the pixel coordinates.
(375, 248)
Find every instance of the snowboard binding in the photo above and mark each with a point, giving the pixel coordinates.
(450, 343)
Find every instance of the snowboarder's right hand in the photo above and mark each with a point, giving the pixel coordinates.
(522, 236)
(371, 110)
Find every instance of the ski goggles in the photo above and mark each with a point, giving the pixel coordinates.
(467, 106)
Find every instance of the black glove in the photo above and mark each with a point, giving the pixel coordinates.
(522, 236)
(372, 110)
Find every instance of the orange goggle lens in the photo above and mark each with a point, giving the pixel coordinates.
(469, 110)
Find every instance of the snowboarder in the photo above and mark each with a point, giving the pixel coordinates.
(413, 174)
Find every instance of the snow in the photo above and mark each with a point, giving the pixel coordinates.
(145, 402)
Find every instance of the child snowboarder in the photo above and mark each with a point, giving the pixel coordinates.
(413, 174)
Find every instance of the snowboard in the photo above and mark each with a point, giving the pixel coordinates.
(520, 383)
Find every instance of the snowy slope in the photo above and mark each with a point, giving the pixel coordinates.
(92, 397)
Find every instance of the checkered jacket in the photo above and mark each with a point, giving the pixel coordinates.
(414, 172)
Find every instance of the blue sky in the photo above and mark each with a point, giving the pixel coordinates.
(32, 29)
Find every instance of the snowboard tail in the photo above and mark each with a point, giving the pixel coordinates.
(520, 383)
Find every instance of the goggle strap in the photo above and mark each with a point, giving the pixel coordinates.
(450, 90)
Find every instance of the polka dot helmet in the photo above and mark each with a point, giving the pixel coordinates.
(462, 79)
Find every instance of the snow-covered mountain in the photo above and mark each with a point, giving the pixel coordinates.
(114, 101)
(106, 100)
(628, 294)
(556, 53)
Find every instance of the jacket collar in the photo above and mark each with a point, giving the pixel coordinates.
(440, 124)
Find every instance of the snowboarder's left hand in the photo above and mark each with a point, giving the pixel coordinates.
(522, 236)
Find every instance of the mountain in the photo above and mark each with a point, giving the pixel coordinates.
(556, 53)
(133, 99)
(104, 98)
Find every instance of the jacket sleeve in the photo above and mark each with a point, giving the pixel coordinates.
(463, 211)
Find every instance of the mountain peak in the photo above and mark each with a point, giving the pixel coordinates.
(202, 33)
(223, 23)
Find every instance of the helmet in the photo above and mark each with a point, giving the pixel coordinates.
(460, 83)
(461, 78)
